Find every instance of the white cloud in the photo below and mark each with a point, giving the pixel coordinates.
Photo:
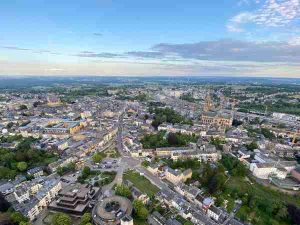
(247, 2)
(294, 41)
(273, 13)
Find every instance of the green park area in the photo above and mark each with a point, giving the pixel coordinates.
(168, 115)
(112, 152)
(96, 178)
(23, 157)
(142, 183)
(162, 139)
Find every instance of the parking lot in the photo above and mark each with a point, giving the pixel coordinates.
(107, 164)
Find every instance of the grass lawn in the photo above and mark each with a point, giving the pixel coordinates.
(108, 177)
(142, 183)
(139, 222)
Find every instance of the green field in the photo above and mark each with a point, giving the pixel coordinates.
(142, 183)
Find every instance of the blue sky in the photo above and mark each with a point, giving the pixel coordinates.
(118, 37)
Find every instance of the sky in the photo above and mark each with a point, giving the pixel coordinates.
(150, 38)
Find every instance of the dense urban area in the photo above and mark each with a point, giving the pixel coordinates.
(149, 152)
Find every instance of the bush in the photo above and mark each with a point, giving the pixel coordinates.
(140, 210)
(17, 218)
(253, 145)
(123, 190)
(85, 219)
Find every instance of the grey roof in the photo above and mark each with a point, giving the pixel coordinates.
(34, 170)
(173, 222)
(5, 187)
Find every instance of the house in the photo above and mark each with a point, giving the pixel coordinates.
(61, 163)
(6, 188)
(156, 219)
(21, 194)
(177, 176)
(279, 169)
(154, 168)
(29, 204)
(35, 172)
(137, 194)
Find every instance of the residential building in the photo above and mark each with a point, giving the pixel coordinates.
(177, 176)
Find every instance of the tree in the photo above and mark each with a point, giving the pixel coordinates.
(9, 125)
(145, 163)
(236, 123)
(86, 171)
(140, 210)
(6, 173)
(233, 165)
(172, 139)
(282, 213)
(22, 166)
(142, 213)
(123, 190)
(24, 223)
(4, 205)
(61, 219)
(17, 218)
(267, 133)
(85, 219)
(294, 213)
(218, 142)
(23, 107)
(63, 170)
(98, 157)
(253, 145)
(216, 183)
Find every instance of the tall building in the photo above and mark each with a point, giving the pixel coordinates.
(212, 117)
(208, 104)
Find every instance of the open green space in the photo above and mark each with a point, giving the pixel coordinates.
(142, 183)
(279, 106)
(96, 178)
(112, 152)
(161, 139)
(167, 115)
(260, 204)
